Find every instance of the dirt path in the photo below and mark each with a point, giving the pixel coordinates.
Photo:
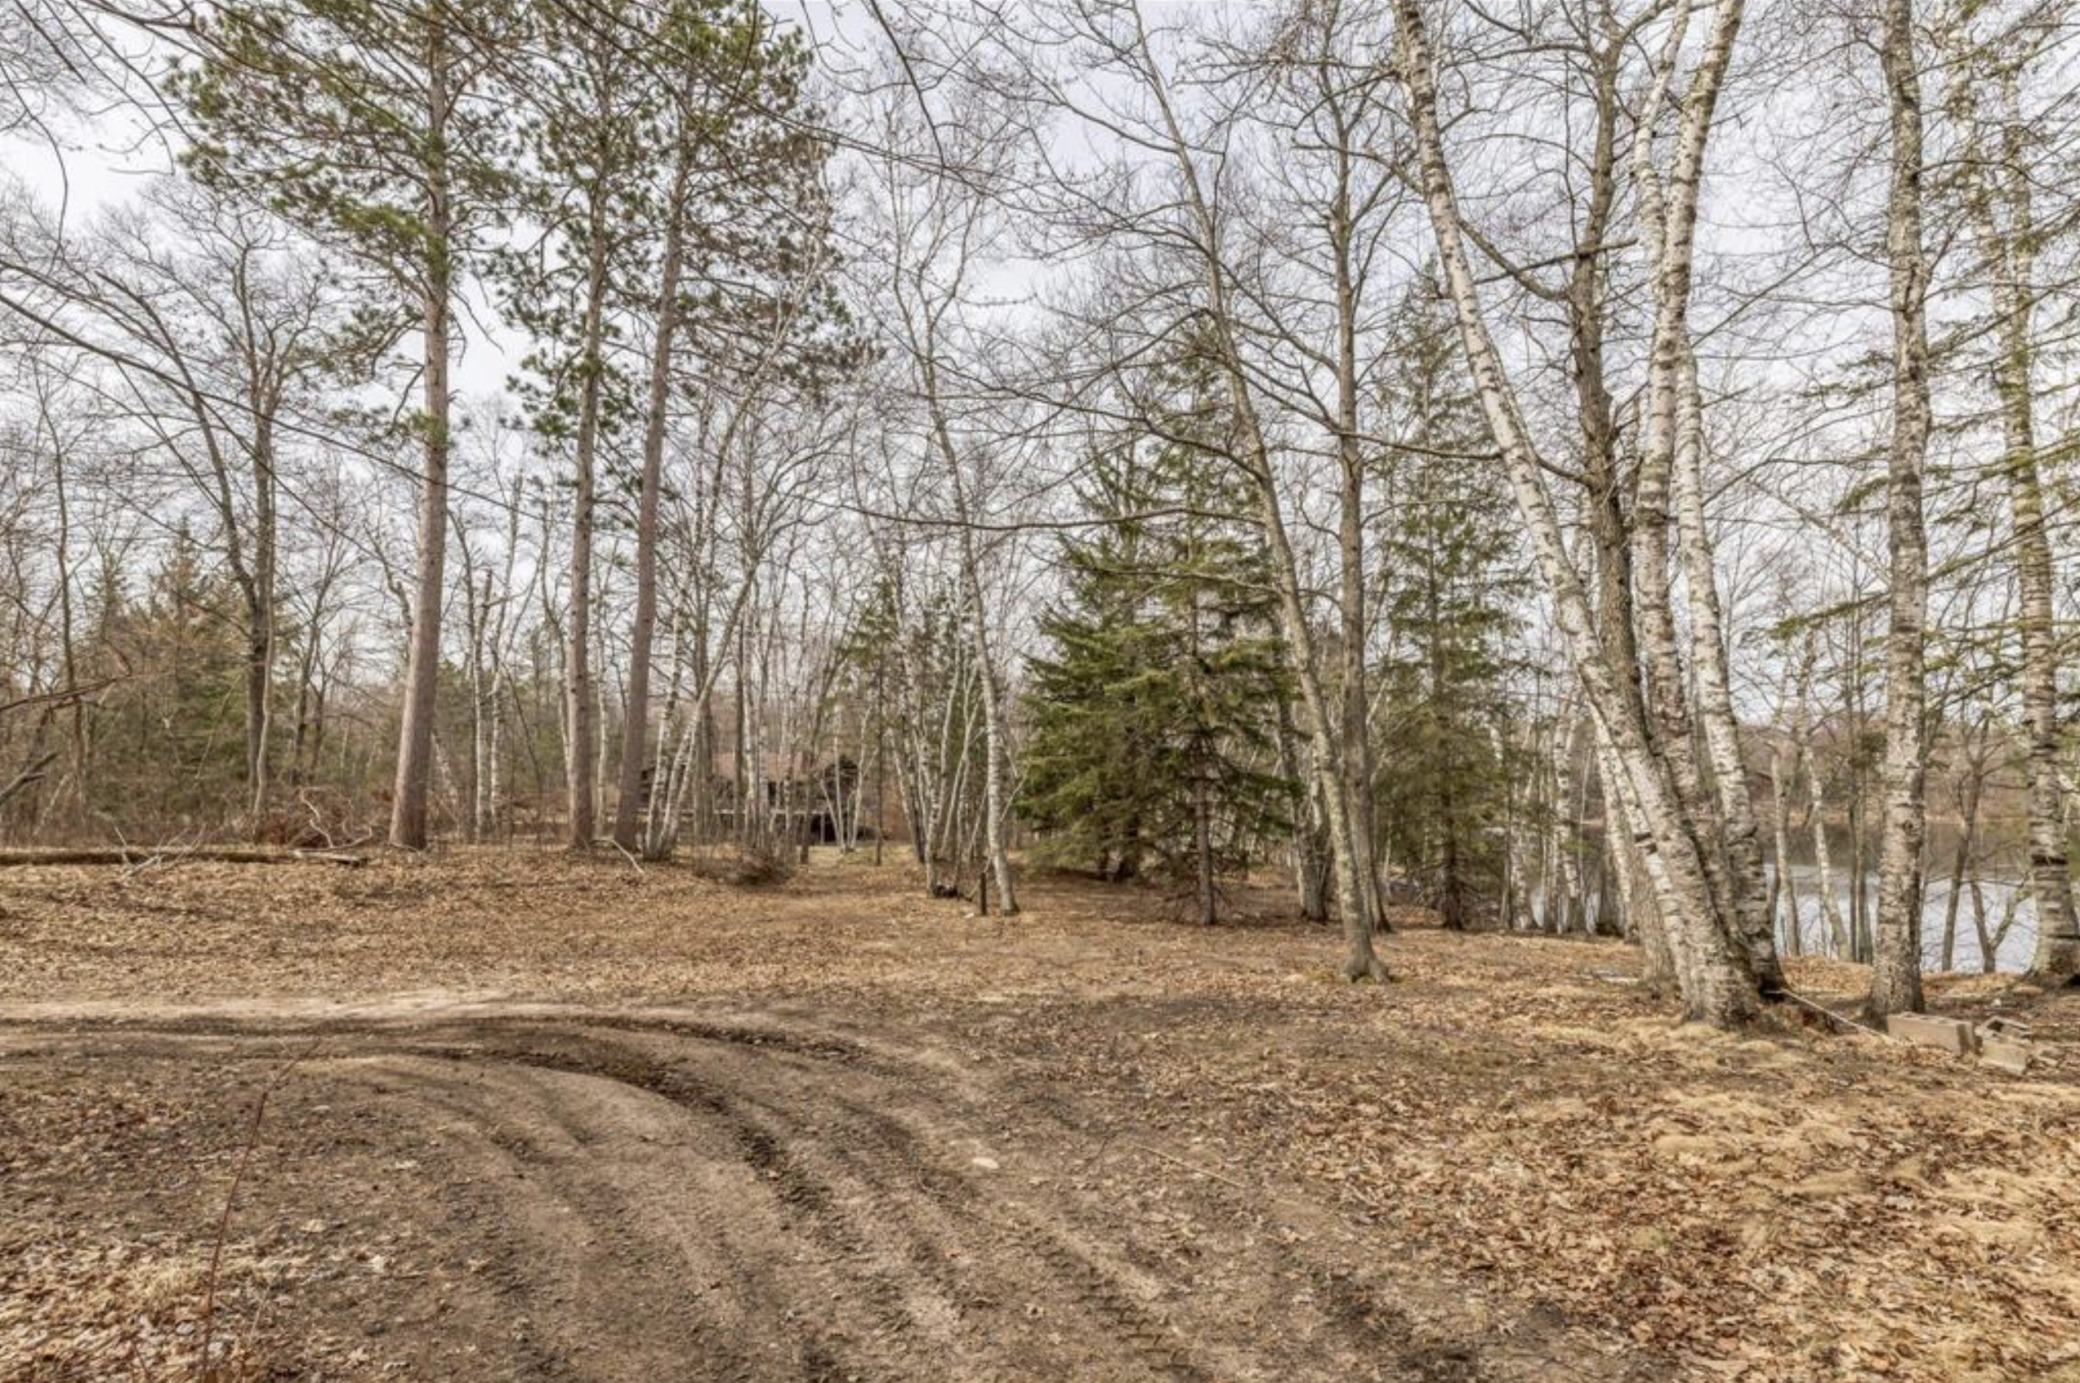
(645, 1195)
(552, 1119)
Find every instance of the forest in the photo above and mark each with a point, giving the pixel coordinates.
(1026, 663)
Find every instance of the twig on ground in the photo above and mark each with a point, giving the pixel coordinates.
(160, 859)
(633, 862)
(238, 1176)
(1821, 1008)
(1188, 1166)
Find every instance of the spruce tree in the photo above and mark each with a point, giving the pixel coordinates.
(1154, 712)
(170, 731)
(1090, 781)
(1454, 581)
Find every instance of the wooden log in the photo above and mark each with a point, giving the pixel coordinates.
(9, 858)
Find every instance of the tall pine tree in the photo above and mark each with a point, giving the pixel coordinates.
(1454, 582)
(375, 128)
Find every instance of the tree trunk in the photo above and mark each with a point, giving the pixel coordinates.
(1717, 983)
(1823, 864)
(1310, 867)
(1896, 964)
(1969, 792)
(1671, 469)
(1632, 842)
(1740, 833)
(1355, 750)
(577, 658)
(68, 642)
(408, 823)
(1785, 890)
(1202, 850)
(635, 725)
(262, 624)
(1989, 953)
(995, 807)
(2011, 252)
(1608, 525)
(476, 608)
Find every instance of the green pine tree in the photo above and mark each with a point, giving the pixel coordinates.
(1154, 710)
(376, 128)
(1455, 580)
(169, 736)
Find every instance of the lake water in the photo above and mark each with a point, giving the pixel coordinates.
(2015, 949)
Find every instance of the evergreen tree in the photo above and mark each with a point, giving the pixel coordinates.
(170, 733)
(1454, 580)
(371, 127)
(589, 139)
(1153, 714)
(744, 253)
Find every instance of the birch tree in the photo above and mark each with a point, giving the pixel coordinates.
(1998, 183)
(1672, 469)
(1713, 963)
(1896, 963)
(938, 231)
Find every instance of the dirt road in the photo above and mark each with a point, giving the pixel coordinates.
(528, 1118)
(755, 1195)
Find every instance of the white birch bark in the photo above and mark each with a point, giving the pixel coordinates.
(1714, 974)
(1999, 199)
(1674, 457)
(1823, 862)
(1780, 774)
(1896, 958)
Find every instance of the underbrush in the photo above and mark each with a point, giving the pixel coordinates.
(752, 867)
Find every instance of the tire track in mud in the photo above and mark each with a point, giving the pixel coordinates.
(896, 1260)
(837, 1345)
(659, 1197)
(714, 1261)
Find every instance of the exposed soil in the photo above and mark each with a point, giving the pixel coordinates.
(534, 1119)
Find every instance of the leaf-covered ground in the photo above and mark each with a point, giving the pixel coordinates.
(1516, 1149)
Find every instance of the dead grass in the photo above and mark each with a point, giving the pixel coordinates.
(1786, 1204)
(123, 1311)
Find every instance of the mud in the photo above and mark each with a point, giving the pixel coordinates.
(747, 1196)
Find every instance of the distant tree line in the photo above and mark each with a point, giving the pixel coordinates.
(1604, 467)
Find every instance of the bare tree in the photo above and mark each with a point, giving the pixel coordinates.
(1998, 179)
(1896, 964)
(1713, 965)
(214, 329)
